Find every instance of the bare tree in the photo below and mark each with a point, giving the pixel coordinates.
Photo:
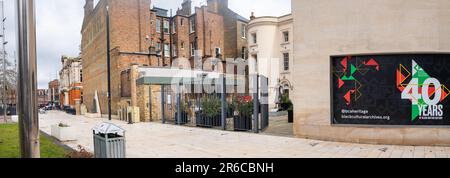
(8, 80)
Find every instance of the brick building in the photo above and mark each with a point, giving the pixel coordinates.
(70, 79)
(214, 29)
(53, 92)
(129, 37)
(11, 99)
(42, 96)
(152, 38)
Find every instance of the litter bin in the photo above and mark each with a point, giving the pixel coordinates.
(109, 141)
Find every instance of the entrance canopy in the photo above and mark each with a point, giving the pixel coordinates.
(168, 76)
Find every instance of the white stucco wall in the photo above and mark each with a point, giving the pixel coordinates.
(269, 50)
(324, 28)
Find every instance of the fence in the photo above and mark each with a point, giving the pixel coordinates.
(213, 110)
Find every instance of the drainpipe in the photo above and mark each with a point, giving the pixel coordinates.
(108, 59)
(171, 37)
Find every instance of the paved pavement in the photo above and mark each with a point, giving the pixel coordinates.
(279, 126)
(155, 140)
(2, 119)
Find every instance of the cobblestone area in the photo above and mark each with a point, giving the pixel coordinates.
(155, 140)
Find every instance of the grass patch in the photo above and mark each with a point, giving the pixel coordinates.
(9, 144)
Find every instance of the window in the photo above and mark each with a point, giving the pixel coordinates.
(158, 26)
(99, 25)
(286, 36)
(254, 38)
(286, 61)
(218, 52)
(158, 46)
(244, 53)
(244, 31)
(192, 49)
(166, 50)
(174, 27)
(181, 22)
(192, 25)
(174, 49)
(182, 45)
(166, 26)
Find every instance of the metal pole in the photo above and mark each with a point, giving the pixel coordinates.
(28, 114)
(264, 102)
(256, 103)
(5, 105)
(171, 38)
(178, 104)
(163, 118)
(108, 59)
(224, 103)
(162, 41)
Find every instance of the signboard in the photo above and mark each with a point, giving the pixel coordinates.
(397, 89)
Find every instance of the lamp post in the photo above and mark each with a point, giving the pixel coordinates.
(27, 110)
(108, 59)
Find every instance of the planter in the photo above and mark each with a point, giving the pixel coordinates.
(230, 112)
(242, 123)
(291, 116)
(63, 134)
(284, 106)
(203, 121)
(184, 118)
(15, 119)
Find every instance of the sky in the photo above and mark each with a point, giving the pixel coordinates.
(58, 24)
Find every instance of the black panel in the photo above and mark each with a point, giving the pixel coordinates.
(374, 91)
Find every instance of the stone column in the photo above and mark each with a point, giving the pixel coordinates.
(133, 77)
(135, 116)
(66, 98)
(78, 106)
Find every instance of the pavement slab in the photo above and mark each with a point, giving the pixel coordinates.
(156, 140)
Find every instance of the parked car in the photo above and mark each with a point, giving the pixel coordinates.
(48, 107)
(43, 110)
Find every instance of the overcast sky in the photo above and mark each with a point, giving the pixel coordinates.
(59, 25)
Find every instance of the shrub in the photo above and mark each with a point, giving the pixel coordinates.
(212, 107)
(286, 103)
(81, 153)
(244, 106)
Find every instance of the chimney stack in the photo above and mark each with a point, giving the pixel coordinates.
(217, 6)
(252, 17)
(88, 7)
(186, 8)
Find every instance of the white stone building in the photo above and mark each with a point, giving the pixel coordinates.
(270, 42)
(70, 79)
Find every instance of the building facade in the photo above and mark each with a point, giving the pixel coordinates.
(213, 30)
(71, 78)
(325, 28)
(42, 97)
(151, 38)
(271, 50)
(53, 92)
(11, 100)
(130, 31)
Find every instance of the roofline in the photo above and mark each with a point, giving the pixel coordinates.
(159, 8)
(279, 17)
